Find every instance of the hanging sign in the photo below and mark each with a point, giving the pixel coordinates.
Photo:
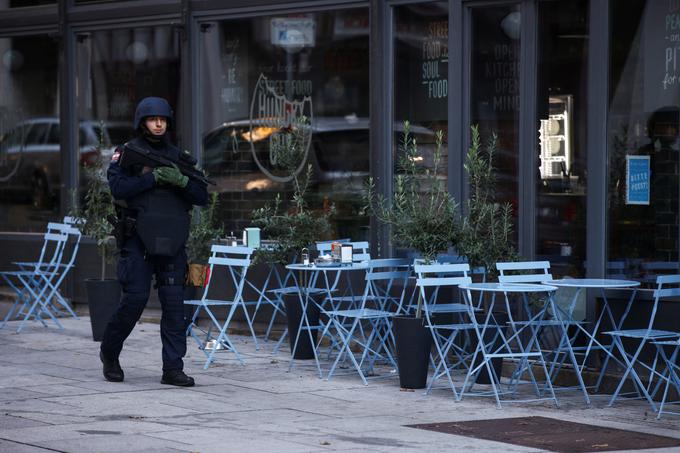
(637, 179)
(293, 32)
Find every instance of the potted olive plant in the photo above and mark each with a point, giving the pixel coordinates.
(203, 233)
(292, 226)
(423, 217)
(486, 232)
(103, 294)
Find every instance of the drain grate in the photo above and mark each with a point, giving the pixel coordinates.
(552, 434)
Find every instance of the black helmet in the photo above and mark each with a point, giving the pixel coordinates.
(152, 106)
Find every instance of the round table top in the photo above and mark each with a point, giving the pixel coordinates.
(360, 265)
(593, 283)
(509, 287)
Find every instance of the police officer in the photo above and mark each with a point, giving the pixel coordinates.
(156, 200)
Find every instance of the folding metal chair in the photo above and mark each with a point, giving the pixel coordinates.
(673, 374)
(652, 269)
(383, 298)
(34, 287)
(451, 353)
(233, 262)
(267, 295)
(558, 324)
(360, 252)
(644, 336)
(69, 253)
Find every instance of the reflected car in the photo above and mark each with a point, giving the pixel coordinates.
(30, 158)
(339, 154)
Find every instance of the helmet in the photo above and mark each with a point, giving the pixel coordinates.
(152, 106)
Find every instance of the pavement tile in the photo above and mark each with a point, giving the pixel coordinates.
(15, 393)
(235, 439)
(115, 443)
(66, 405)
(9, 422)
(14, 447)
(75, 431)
(28, 380)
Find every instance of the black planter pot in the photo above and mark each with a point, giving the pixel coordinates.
(501, 318)
(103, 298)
(414, 342)
(305, 346)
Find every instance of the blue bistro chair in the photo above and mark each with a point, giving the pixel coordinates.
(383, 297)
(672, 374)
(556, 325)
(231, 264)
(36, 284)
(360, 252)
(667, 286)
(451, 355)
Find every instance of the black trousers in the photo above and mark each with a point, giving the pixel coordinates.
(135, 271)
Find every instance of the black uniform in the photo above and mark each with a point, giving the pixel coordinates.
(139, 259)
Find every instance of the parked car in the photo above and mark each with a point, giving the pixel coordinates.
(30, 158)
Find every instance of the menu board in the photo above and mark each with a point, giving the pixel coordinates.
(661, 44)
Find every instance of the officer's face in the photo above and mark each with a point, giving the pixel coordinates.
(156, 124)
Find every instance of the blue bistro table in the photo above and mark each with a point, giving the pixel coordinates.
(603, 284)
(306, 281)
(514, 344)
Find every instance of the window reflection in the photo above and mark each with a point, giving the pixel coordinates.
(561, 108)
(30, 154)
(116, 69)
(421, 77)
(5, 4)
(495, 94)
(266, 73)
(643, 141)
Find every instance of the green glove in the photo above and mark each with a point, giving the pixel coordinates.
(171, 176)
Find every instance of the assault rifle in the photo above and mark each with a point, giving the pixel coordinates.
(135, 155)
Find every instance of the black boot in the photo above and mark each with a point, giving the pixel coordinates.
(112, 370)
(177, 377)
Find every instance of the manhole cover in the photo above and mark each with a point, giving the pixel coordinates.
(552, 434)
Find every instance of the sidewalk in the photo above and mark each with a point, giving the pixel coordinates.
(54, 398)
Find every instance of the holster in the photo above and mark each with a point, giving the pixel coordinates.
(123, 226)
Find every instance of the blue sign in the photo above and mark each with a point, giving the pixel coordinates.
(637, 179)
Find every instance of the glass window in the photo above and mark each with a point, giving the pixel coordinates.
(643, 146)
(116, 69)
(421, 50)
(29, 165)
(494, 89)
(313, 65)
(561, 109)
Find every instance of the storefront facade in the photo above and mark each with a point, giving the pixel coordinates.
(582, 94)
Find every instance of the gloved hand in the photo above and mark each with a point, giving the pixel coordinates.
(171, 176)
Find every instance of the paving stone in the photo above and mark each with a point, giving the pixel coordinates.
(14, 447)
(68, 406)
(115, 443)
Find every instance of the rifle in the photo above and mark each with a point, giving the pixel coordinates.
(148, 158)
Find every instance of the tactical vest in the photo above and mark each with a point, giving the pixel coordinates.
(162, 214)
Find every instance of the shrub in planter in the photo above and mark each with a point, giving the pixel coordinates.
(103, 294)
(422, 216)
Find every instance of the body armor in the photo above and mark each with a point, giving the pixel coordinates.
(162, 214)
